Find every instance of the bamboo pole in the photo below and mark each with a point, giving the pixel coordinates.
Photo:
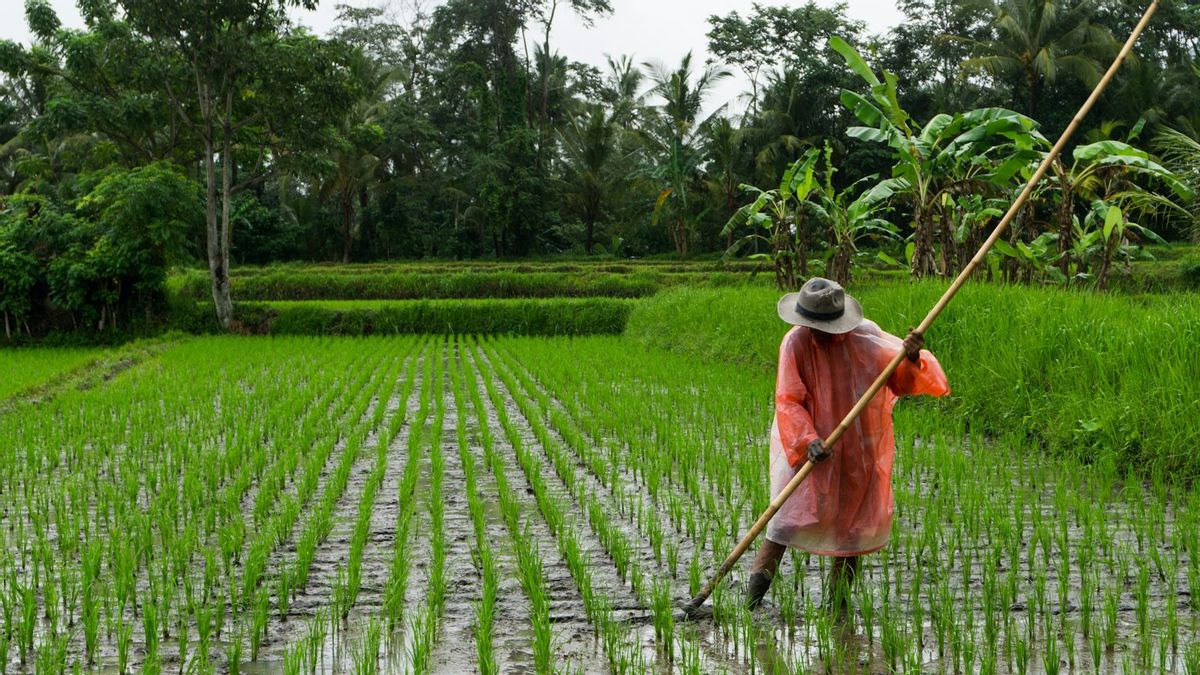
(778, 501)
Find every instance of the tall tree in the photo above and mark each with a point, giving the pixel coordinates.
(766, 38)
(674, 136)
(591, 152)
(545, 12)
(248, 86)
(1035, 42)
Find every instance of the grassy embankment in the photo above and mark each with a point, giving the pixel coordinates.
(541, 316)
(1108, 377)
(529, 298)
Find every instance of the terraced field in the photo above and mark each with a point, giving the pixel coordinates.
(458, 504)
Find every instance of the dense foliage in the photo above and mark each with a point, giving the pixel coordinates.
(97, 257)
(463, 132)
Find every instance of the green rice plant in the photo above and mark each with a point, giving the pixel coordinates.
(485, 611)
(664, 620)
(366, 656)
(283, 593)
(1086, 593)
(233, 654)
(1143, 602)
(1191, 660)
(1110, 618)
(1050, 660)
(1021, 655)
(258, 626)
(182, 640)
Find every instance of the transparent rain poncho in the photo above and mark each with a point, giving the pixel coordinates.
(844, 507)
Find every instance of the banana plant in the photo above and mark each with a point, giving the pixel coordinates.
(1034, 259)
(1119, 237)
(850, 219)
(956, 154)
(777, 219)
(1115, 173)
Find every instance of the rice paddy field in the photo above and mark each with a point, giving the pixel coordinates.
(29, 368)
(454, 504)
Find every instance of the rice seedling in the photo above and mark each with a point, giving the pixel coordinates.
(186, 504)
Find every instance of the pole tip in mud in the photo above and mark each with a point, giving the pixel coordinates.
(695, 611)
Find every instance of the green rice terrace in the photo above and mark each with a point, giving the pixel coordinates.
(450, 502)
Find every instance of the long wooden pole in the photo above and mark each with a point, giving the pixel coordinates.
(879, 382)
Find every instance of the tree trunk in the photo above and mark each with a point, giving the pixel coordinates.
(679, 234)
(1066, 208)
(347, 227)
(1102, 275)
(846, 270)
(801, 247)
(591, 229)
(922, 260)
(218, 262)
(1035, 90)
(363, 231)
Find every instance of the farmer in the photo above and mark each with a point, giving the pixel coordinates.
(844, 508)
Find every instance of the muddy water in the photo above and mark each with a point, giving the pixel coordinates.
(574, 635)
(632, 499)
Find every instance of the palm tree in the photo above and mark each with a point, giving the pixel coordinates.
(725, 144)
(591, 152)
(357, 156)
(673, 134)
(1038, 41)
(622, 91)
(1180, 153)
(783, 125)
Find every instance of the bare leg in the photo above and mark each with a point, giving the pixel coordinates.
(762, 571)
(841, 580)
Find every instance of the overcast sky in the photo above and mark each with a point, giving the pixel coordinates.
(651, 30)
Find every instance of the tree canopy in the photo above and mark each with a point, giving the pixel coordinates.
(464, 131)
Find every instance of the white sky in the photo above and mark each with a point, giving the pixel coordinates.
(650, 30)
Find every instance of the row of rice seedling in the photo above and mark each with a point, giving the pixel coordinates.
(426, 626)
(374, 481)
(134, 527)
(483, 553)
(650, 587)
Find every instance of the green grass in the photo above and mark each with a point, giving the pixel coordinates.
(1113, 378)
(23, 369)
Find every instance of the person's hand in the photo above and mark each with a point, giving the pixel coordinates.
(913, 345)
(817, 452)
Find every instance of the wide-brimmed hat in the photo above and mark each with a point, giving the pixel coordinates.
(821, 304)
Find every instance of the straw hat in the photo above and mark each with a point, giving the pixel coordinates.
(821, 304)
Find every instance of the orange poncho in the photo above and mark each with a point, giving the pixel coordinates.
(844, 507)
